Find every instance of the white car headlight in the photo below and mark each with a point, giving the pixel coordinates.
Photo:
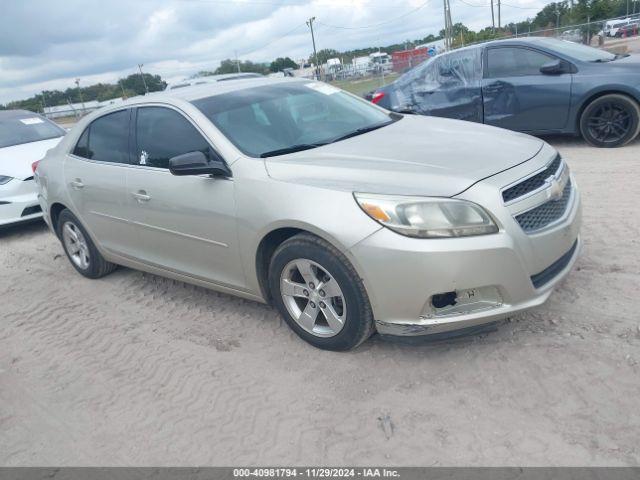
(4, 179)
(426, 217)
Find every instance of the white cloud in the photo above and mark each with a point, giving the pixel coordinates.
(47, 44)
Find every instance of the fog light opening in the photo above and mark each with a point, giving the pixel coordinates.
(441, 300)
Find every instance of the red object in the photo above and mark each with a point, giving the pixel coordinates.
(377, 97)
(406, 59)
(34, 166)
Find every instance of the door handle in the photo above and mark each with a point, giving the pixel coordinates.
(141, 196)
(77, 184)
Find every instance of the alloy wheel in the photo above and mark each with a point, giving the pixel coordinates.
(313, 297)
(76, 245)
(610, 122)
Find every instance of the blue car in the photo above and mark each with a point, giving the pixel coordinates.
(535, 85)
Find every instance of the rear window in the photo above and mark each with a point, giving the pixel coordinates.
(27, 128)
(106, 139)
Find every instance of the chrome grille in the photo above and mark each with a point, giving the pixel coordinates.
(545, 214)
(532, 183)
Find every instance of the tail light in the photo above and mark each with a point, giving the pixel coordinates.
(377, 97)
(34, 166)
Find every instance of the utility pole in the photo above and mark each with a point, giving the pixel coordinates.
(44, 103)
(313, 40)
(84, 110)
(448, 26)
(144, 82)
(237, 61)
(124, 95)
(499, 16)
(493, 19)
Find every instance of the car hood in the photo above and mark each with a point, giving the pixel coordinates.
(414, 156)
(15, 161)
(626, 64)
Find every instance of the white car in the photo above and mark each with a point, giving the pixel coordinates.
(25, 138)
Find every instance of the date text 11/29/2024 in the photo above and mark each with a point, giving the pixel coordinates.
(315, 472)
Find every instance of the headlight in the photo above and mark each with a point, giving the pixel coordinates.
(426, 217)
(4, 179)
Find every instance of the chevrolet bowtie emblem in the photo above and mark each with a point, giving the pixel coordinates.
(556, 189)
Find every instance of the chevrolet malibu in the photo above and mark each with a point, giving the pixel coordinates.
(25, 137)
(348, 218)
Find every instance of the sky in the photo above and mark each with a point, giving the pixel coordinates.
(47, 44)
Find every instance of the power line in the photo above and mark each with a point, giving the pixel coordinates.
(287, 33)
(346, 27)
(518, 6)
(485, 5)
(252, 2)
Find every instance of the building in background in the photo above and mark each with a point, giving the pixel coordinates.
(78, 109)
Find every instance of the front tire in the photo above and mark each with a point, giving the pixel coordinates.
(80, 250)
(610, 121)
(319, 294)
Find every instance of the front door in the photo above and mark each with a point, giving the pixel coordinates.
(517, 96)
(186, 224)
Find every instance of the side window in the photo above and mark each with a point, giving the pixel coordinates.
(163, 133)
(513, 62)
(82, 147)
(106, 139)
(460, 68)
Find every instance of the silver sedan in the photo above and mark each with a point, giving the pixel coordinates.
(346, 217)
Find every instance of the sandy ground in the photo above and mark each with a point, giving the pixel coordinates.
(134, 369)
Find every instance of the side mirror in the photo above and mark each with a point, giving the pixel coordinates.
(554, 67)
(195, 163)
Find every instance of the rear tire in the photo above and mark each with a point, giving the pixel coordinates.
(328, 306)
(610, 121)
(80, 249)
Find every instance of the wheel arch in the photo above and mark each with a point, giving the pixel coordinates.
(54, 215)
(609, 90)
(273, 237)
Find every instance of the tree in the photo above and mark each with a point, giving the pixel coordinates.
(324, 55)
(279, 64)
(231, 66)
(132, 86)
(134, 82)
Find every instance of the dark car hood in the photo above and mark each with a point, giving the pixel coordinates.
(416, 155)
(627, 64)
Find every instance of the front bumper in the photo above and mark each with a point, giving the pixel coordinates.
(508, 272)
(19, 202)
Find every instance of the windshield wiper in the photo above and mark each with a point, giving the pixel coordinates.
(292, 149)
(361, 130)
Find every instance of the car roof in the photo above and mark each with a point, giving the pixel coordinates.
(504, 41)
(14, 114)
(211, 78)
(205, 90)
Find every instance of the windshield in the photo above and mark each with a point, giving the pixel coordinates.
(576, 51)
(286, 117)
(26, 128)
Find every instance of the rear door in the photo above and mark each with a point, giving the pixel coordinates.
(95, 175)
(518, 96)
(446, 86)
(458, 76)
(185, 224)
